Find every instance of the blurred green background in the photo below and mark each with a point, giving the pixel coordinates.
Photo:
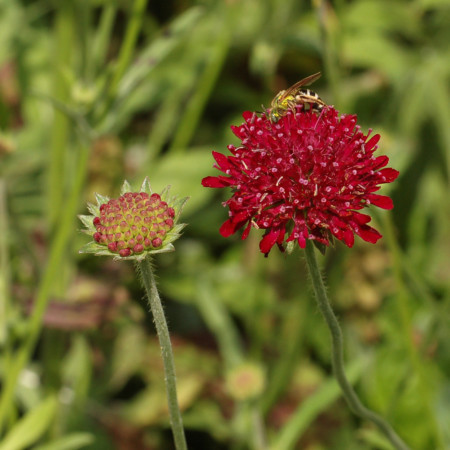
(93, 92)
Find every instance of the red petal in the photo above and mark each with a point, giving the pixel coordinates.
(382, 201)
(246, 231)
(372, 142)
(238, 131)
(281, 233)
(348, 238)
(302, 233)
(380, 161)
(369, 234)
(389, 174)
(227, 228)
(233, 224)
(301, 241)
(338, 222)
(268, 241)
(361, 219)
(215, 182)
(248, 115)
(222, 161)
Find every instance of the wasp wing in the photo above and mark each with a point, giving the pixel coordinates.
(293, 90)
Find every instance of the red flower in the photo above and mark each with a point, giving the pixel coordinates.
(303, 177)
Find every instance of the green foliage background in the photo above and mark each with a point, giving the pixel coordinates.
(93, 92)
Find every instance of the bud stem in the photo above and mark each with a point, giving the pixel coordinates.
(149, 283)
(338, 353)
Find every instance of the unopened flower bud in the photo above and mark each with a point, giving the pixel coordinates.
(134, 225)
(246, 381)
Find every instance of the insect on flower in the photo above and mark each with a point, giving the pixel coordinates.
(288, 99)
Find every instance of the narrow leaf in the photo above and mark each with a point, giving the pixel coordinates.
(73, 441)
(146, 186)
(31, 427)
(126, 187)
(101, 199)
(87, 221)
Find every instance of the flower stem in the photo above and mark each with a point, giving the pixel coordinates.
(148, 280)
(338, 353)
(64, 43)
(128, 43)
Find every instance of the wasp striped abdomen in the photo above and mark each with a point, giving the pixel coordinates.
(308, 97)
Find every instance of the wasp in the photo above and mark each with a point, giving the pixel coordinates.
(289, 98)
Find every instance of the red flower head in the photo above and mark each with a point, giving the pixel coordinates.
(303, 177)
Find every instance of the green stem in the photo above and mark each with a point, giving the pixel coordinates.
(338, 353)
(5, 276)
(64, 42)
(207, 80)
(148, 280)
(220, 323)
(103, 37)
(283, 370)
(125, 57)
(129, 42)
(258, 429)
(57, 252)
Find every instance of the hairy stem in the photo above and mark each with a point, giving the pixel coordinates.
(148, 280)
(338, 354)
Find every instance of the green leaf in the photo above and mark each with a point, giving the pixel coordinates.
(165, 193)
(375, 50)
(177, 228)
(321, 247)
(31, 427)
(145, 187)
(101, 199)
(178, 206)
(76, 368)
(311, 407)
(71, 442)
(159, 49)
(93, 209)
(128, 355)
(87, 222)
(126, 187)
(166, 249)
(91, 247)
(385, 15)
(375, 439)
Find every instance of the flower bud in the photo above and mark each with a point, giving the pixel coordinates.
(133, 225)
(246, 381)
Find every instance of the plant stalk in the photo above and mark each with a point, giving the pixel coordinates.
(338, 353)
(128, 45)
(56, 257)
(148, 280)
